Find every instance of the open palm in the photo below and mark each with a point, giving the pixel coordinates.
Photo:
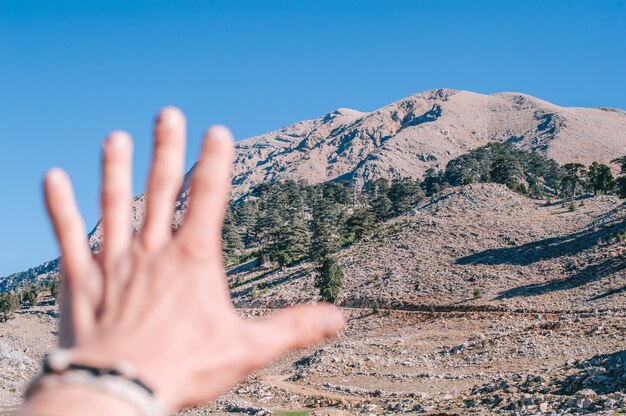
(160, 300)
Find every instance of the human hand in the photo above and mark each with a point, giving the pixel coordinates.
(158, 300)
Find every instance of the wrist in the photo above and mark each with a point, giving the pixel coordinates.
(74, 400)
(153, 377)
(116, 378)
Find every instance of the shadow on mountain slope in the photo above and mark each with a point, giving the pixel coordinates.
(609, 293)
(603, 373)
(269, 283)
(549, 248)
(580, 278)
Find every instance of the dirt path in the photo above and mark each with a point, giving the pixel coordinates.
(280, 382)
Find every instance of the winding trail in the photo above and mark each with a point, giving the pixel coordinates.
(280, 382)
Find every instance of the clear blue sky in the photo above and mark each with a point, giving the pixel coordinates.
(70, 71)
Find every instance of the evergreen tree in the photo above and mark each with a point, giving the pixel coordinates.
(433, 182)
(621, 180)
(326, 225)
(536, 186)
(268, 229)
(403, 194)
(507, 169)
(54, 288)
(382, 207)
(379, 201)
(329, 279)
(325, 240)
(292, 243)
(9, 303)
(232, 242)
(246, 214)
(601, 179)
(360, 224)
(572, 181)
(495, 163)
(29, 296)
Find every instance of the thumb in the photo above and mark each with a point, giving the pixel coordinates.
(294, 328)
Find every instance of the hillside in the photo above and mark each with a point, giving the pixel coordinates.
(520, 253)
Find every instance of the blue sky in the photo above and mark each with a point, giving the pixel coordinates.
(70, 71)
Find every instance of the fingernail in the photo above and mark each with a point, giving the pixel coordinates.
(118, 140)
(219, 132)
(170, 117)
(54, 177)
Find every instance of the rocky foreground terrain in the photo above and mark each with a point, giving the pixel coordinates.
(480, 301)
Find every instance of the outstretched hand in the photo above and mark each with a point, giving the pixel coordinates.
(160, 300)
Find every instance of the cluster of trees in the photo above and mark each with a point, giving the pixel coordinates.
(284, 222)
(26, 297)
(529, 173)
(522, 171)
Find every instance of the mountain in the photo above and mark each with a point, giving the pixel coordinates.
(406, 138)
(424, 131)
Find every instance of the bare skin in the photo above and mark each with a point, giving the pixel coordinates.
(158, 300)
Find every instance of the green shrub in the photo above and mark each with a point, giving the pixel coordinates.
(9, 302)
(256, 293)
(572, 207)
(375, 307)
(478, 293)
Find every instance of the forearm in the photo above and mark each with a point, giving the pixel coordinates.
(71, 400)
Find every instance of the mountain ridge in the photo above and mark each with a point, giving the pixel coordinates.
(404, 139)
(425, 130)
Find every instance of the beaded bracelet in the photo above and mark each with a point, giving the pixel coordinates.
(119, 380)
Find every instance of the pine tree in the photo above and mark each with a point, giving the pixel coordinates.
(325, 240)
(9, 303)
(327, 224)
(403, 194)
(29, 296)
(329, 279)
(268, 229)
(54, 288)
(232, 242)
(507, 170)
(601, 178)
(621, 180)
(382, 207)
(293, 242)
(360, 224)
(246, 215)
(433, 182)
(572, 181)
